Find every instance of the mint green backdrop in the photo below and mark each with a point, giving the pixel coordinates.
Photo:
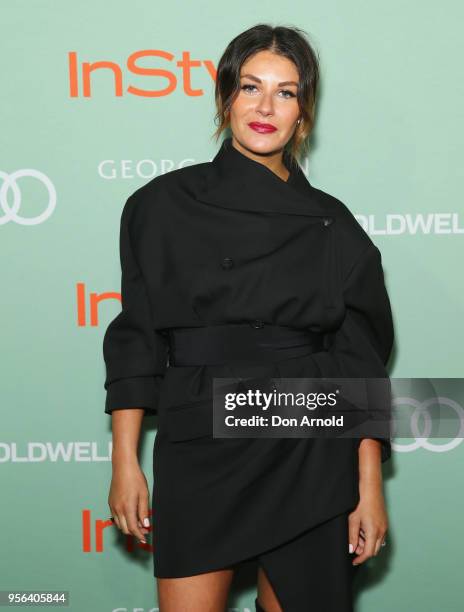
(388, 142)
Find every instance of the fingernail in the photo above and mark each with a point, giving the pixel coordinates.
(143, 541)
(146, 522)
(350, 548)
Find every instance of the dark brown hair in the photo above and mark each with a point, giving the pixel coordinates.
(290, 42)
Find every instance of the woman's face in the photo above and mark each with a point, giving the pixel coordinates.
(263, 116)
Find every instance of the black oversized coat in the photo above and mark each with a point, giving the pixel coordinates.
(229, 241)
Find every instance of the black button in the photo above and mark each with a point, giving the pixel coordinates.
(327, 220)
(227, 263)
(257, 324)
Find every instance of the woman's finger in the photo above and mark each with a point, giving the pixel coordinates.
(353, 534)
(378, 544)
(116, 519)
(368, 548)
(132, 523)
(124, 527)
(360, 547)
(143, 514)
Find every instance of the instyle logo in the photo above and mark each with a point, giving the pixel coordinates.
(55, 452)
(87, 314)
(163, 81)
(11, 198)
(93, 532)
(412, 224)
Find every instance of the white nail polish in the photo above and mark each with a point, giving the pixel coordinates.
(146, 522)
(350, 548)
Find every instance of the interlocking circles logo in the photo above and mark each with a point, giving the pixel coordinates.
(11, 197)
(419, 423)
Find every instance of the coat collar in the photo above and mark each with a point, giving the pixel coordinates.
(239, 182)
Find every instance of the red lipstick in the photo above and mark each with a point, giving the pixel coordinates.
(262, 128)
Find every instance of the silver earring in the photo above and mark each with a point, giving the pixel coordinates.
(298, 122)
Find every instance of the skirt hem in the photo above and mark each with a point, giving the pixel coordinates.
(249, 556)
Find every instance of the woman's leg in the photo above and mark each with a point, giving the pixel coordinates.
(208, 591)
(267, 600)
(312, 571)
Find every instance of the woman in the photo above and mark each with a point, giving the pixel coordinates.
(239, 268)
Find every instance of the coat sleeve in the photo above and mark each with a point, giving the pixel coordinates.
(362, 345)
(135, 353)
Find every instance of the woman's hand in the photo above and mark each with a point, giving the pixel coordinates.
(128, 498)
(368, 523)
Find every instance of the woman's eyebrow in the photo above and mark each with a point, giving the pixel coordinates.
(255, 78)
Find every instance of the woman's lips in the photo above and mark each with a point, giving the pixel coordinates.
(262, 128)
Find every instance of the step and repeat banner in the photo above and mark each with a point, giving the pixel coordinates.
(100, 97)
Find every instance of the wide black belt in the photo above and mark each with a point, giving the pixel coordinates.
(239, 342)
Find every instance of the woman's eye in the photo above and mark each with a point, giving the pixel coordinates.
(250, 88)
(287, 91)
(244, 87)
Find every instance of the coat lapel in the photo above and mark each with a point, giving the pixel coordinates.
(239, 182)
